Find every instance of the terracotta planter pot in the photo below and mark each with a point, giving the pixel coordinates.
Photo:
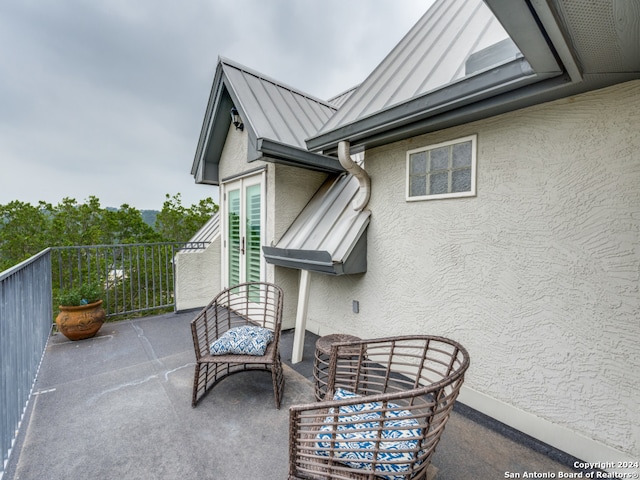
(78, 323)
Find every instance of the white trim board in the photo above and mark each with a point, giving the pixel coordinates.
(562, 438)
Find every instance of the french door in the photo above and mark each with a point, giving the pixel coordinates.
(244, 216)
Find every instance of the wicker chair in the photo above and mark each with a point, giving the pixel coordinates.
(405, 387)
(247, 304)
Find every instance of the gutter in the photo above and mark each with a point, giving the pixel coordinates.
(507, 77)
(296, 156)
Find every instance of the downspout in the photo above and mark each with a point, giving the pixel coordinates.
(357, 171)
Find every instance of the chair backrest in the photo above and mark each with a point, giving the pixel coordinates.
(414, 379)
(398, 364)
(257, 303)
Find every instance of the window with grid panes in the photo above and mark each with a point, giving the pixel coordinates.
(444, 170)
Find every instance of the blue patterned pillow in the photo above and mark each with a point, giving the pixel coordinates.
(246, 340)
(398, 440)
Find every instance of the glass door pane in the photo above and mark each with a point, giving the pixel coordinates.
(243, 256)
(253, 235)
(234, 236)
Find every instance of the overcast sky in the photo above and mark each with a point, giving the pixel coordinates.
(107, 97)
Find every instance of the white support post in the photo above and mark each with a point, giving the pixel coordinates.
(301, 317)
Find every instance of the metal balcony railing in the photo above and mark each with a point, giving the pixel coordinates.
(135, 279)
(25, 324)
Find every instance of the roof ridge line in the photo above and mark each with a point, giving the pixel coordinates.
(338, 95)
(261, 76)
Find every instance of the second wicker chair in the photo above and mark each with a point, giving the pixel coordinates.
(387, 403)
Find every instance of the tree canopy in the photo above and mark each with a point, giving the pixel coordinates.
(27, 229)
(178, 222)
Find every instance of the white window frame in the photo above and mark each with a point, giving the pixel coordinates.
(469, 193)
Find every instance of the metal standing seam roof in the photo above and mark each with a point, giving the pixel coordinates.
(432, 54)
(209, 230)
(329, 235)
(458, 64)
(272, 109)
(454, 67)
(338, 100)
(277, 118)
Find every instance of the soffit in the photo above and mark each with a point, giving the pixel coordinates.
(605, 34)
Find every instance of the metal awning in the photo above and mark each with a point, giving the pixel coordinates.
(328, 236)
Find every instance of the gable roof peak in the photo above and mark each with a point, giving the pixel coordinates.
(222, 61)
(276, 117)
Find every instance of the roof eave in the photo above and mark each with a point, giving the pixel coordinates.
(205, 167)
(544, 91)
(490, 83)
(311, 260)
(547, 54)
(486, 108)
(217, 122)
(215, 97)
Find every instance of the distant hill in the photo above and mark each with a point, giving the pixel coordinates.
(149, 216)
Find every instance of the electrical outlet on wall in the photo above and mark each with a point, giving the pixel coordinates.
(356, 306)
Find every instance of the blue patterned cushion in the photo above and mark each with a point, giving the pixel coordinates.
(395, 442)
(246, 340)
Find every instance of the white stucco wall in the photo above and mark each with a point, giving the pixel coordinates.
(537, 276)
(197, 276)
(289, 190)
(233, 159)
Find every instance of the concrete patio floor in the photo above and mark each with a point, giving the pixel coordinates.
(118, 406)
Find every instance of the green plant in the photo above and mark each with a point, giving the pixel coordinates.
(80, 295)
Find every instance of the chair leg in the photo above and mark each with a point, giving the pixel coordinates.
(203, 380)
(277, 376)
(196, 378)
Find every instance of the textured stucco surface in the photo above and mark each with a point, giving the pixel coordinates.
(197, 276)
(289, 190)
(538, 275)
(233, 159)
